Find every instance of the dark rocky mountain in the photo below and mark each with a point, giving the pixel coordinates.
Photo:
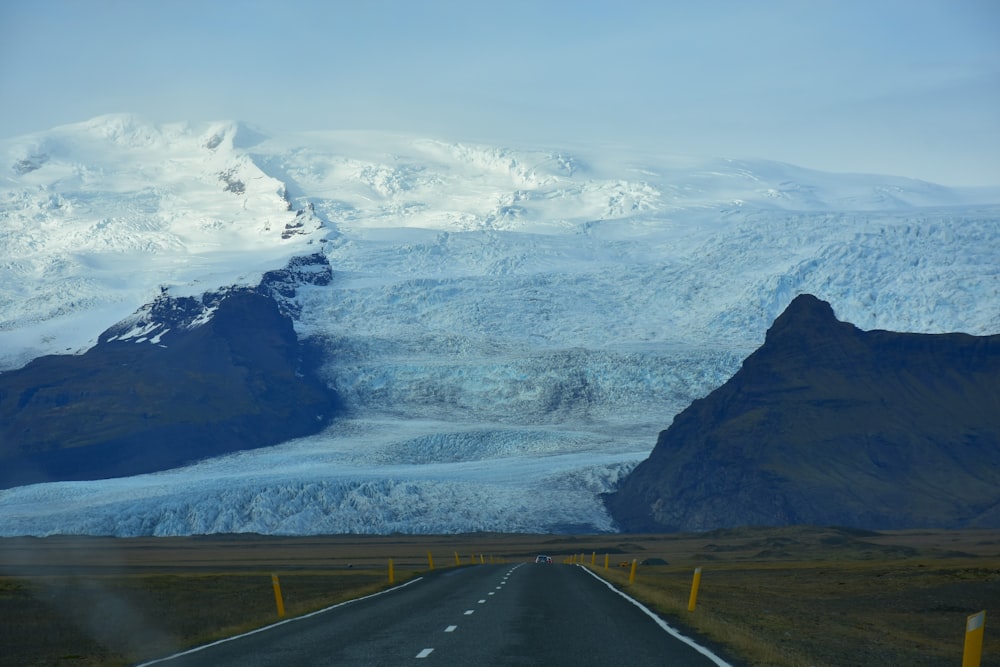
(826, 424)
(181, 380)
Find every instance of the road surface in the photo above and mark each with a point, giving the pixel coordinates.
(523, 614)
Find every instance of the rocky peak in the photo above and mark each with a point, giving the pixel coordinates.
(827, 424)
(804, 315)
(209, 375)
(166, 316)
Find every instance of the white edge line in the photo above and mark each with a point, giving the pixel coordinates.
(663, 624)
(274, 625)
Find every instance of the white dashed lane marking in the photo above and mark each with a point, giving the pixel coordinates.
(468, 612)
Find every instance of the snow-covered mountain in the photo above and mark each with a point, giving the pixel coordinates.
(510, 328)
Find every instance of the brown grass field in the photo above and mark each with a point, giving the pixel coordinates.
(800, 596)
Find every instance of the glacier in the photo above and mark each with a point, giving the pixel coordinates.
(509, 327)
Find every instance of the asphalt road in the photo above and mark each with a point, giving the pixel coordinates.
(524, 614)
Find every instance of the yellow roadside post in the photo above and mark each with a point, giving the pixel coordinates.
(482, 561)
(593, 558)
(458, 561)
(277, 595)
(972, 655)
(693, 600)
(430, 560)
(631, 574)
(605, 561)
(392, 572)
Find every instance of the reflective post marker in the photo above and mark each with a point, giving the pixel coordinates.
(631, 575)
(277, 595)
(606, 558)
(392, 572)
(430, 560)
(972, 656)
(693, 600)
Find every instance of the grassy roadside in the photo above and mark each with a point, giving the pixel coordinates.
(801, 614)
(87, 601)
(123, 619)
(820, 597)
(860, 603)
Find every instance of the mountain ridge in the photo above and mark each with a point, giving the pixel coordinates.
(826, 424)
(183, 380)
(178, 202)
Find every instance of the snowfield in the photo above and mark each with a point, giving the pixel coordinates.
(510, 328)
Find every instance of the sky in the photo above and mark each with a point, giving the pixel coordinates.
(903, 87)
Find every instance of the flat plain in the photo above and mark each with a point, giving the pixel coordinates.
(787, 597)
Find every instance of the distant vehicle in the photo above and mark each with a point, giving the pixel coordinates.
(543, 559)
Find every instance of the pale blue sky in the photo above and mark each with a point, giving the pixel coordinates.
(909, 87)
